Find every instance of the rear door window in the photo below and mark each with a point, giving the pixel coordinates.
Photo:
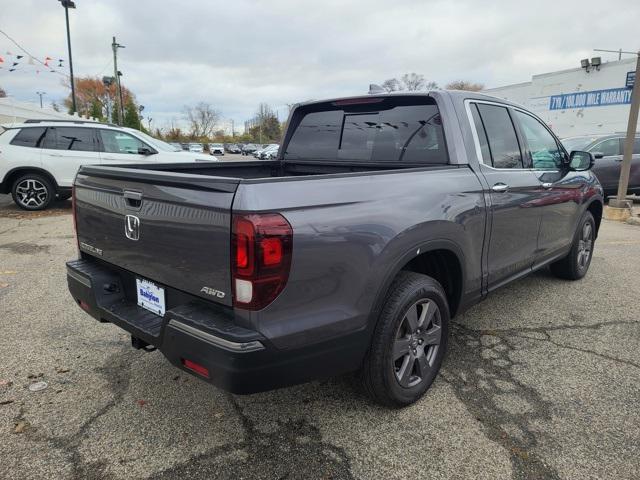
(411, 134)
(503, 142)
(70, 138)
(29, 137)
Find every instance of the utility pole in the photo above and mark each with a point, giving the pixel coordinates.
(140, 109)
(40, 94)
(233, 132)
(632, 126)
(116, 73)
(67, 4)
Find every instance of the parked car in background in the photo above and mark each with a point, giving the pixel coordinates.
(196, 148)
(269, 153)
(216, 149)
(233, 148)
(607, 151)
(177, 146)
(39, 159)
(249, 149)
(262, 149)
(385, 217)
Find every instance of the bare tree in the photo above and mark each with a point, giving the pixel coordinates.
(391, 85)
(202, 119)
(413, 82)
(464, 85)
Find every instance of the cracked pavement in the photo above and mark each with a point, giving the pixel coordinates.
(542, 380)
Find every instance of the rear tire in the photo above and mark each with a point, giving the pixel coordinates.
(409, 342)
(32, 191)
(576, 264)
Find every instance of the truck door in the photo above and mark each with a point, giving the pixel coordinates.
(559, 190)
(514, 191)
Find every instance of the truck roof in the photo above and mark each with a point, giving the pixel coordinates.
(431, 93)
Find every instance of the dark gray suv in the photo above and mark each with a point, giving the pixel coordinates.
(607, 151)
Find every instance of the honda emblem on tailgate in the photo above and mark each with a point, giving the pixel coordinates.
(132, 227)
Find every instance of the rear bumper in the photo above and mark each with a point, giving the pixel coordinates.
(237, 359)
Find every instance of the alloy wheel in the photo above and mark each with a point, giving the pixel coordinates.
(32, 193)
(416, 343)
(585, 245)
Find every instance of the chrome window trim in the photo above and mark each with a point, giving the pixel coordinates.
(476, 139)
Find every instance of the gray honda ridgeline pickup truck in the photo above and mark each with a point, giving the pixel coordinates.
(381, 219)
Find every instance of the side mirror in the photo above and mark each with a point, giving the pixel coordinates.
(580, 161)
(598, 155)
(145, 151)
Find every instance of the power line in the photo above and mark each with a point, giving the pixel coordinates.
(32, 56)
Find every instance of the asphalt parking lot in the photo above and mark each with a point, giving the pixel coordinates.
(542, 380)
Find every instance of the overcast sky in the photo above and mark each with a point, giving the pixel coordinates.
(235, 54)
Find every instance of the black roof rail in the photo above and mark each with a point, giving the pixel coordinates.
(80, 122)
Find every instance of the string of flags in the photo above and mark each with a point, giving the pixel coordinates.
(12, 63)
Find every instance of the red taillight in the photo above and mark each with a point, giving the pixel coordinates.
(262, 245)
(271, 251)
(196, 367)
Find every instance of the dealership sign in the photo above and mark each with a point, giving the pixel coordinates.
(631, 78)
(593, 98)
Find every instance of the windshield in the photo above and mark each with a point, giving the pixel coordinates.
(578, 143)
(159, 144)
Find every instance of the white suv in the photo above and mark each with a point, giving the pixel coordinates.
(39, 159)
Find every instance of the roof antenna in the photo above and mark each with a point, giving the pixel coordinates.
(375, 89)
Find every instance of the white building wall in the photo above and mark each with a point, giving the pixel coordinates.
(577, 102)
(12, 111)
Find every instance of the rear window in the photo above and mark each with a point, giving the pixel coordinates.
(29, 137)
(368, 133)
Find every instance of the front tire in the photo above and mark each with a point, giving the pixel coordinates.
(409, 342)
(576, 264)
(32, 192)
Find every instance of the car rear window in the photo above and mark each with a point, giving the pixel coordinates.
(381, 132)
(29, 137)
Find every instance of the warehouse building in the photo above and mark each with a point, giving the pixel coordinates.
(12, 111)
(593, 99)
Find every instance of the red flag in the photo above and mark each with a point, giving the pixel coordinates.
(1, 59)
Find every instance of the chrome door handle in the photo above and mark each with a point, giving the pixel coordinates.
(547, 185)
(500, 187)
(55, 155)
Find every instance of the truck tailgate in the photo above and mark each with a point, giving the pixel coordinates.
(170, 229)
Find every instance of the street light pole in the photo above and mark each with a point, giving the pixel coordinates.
(67, 4)
(40, 94)
(140, 109)
(115, 46)
(625, 168)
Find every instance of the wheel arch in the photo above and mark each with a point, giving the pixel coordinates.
(440, 259)
(14, 173)
(595, 207)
